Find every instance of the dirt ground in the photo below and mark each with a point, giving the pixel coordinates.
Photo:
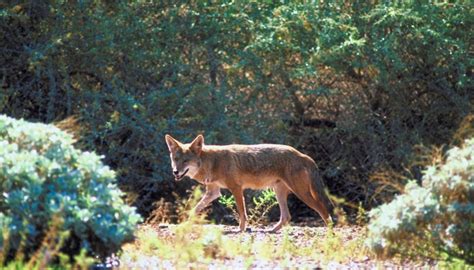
(298, 234)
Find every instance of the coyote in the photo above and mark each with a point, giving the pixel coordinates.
(238, 167)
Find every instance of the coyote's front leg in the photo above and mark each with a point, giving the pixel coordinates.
(238, 194)
(212, 192)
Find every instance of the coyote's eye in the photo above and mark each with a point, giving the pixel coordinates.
(186, 161)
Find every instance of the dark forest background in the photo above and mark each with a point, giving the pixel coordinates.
(369, 90)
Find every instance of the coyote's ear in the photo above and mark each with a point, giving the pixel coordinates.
(196, 145)
(173, 144)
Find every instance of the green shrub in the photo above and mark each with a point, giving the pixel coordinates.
(46, 184)
(261, 203)
(355, 85)
(436, 218)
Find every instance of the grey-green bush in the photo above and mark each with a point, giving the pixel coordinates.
(436, 217)
(46, 184)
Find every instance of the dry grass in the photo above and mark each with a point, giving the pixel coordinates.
(194, 243)
(190, 245)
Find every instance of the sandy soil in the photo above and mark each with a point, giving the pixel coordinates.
(299, 236)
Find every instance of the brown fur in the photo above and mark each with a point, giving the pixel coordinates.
(238, 167)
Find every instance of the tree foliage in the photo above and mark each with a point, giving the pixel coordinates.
(355, 85)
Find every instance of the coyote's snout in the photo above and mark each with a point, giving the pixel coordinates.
(238, 167)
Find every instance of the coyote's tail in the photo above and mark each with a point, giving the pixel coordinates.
(319, 192)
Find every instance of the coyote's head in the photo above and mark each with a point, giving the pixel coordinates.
(185, 158)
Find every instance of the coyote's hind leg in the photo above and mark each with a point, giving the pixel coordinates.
(303, 192)
(282, 191)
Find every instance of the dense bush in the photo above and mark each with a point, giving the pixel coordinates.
(435, 217)
(47, 185)
(354, 85)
